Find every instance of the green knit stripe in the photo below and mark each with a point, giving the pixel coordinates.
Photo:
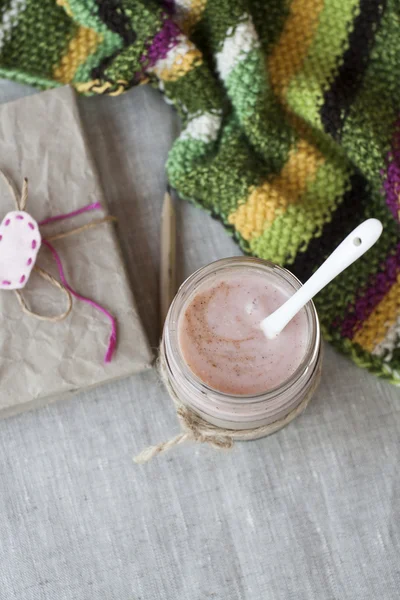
(290, 232)
(336, 297)
(305, 92)
(125, 64)
(4, 7)
(195, 92)
(248, 89)
(212, 29)
(111, 43)
(146, 21)
(199, 171)
(183, 154)
(374, 364)
(259, 113)
(368, 129)
(366, 137)
(269, 21)
(44, 21)
(395, 360)
(42, 83)
(87, 14)
(221, 18)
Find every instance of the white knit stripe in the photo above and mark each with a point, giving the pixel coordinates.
(188, 13)
(205, 128)
(182, 9)
(183, 6)
(10, 19)
(394, 374)
(389, 343)
(161, 87)
(236, 47)
(180, 49)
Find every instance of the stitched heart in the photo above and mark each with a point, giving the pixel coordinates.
(20, 241)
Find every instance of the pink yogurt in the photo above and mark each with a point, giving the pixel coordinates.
(220, 337)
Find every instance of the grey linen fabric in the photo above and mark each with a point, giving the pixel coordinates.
(310, 513)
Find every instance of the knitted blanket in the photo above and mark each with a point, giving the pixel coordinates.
(291, 125)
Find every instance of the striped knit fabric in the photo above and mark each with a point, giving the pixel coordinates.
(291, 125)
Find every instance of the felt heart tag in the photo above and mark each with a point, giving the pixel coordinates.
(20, 241)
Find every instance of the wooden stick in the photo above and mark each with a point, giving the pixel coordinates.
(168, 257)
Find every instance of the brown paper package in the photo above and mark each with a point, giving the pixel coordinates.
(41, 138)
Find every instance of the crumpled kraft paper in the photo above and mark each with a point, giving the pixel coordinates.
(41, 138)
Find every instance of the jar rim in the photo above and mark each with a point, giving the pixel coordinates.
(185, 293)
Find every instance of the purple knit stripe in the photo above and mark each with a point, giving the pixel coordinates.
(379, 285)
(392, 180)
(162, 43)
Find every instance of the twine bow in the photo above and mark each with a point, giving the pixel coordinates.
(62, 285)
(196, 429)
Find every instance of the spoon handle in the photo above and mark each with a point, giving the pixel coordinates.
(353, 246)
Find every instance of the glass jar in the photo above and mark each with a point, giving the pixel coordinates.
(239, 412)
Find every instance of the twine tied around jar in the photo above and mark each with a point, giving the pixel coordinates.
(196, 429)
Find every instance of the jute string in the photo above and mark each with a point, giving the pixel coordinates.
(96, 223)
(196, 429)
(20, 204)
(47, 277)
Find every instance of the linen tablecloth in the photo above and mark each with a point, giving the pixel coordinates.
(310, 513)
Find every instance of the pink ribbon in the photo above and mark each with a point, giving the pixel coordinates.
(113, 336)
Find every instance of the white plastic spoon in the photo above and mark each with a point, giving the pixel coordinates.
(361, 239)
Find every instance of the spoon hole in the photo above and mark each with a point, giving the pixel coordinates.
(357, 241)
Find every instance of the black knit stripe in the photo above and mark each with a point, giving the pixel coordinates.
(338, 98)
(112, 14)
(99, 71)
(345, 218)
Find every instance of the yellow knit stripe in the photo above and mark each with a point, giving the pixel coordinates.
(65, 5)
(291, 49)
(183, 63)
(270, 199)
(189, 13)
(82, 45)
(95, 86)
(374, 328)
